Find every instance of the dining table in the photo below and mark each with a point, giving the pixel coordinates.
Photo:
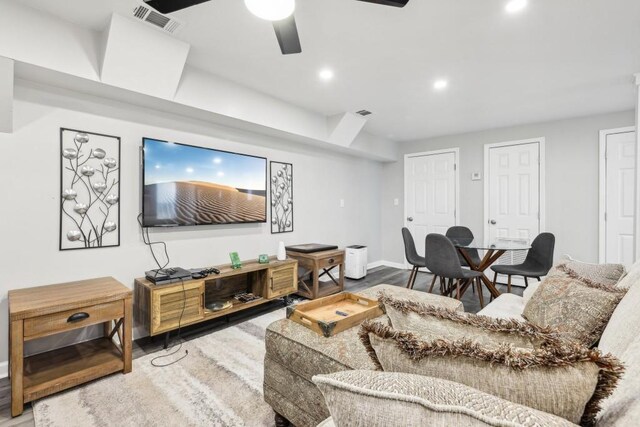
(493, 250)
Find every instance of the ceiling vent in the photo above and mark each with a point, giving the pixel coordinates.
(363, 113)
(146, 14)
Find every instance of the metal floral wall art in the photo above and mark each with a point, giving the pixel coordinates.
(281, 197)
(90, 190)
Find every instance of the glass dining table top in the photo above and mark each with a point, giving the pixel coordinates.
(496, 245)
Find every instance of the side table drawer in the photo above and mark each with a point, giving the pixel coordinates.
(49, 324)
(330, 261)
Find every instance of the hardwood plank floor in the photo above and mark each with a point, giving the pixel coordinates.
(144, 346)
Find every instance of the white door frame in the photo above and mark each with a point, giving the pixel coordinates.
(602, 184)
(456, 153)
(542, 178)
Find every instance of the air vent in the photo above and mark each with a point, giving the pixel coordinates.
(363, 113)
(146, 14)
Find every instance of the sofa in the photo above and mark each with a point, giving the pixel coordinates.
(295, 355)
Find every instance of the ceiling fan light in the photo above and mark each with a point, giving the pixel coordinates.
(271, 10)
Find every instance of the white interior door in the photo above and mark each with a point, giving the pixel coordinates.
(620, 157)
(514, 191)
(431, 194)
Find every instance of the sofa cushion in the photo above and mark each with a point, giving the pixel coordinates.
(528, 292)
(431, 323)
(577, 309)
(397, 399)
(622, 408)
(624, 325)
(566, 380)
(506, 306)
(631, 278)
(604, 274)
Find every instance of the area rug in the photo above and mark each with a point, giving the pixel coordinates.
(219, 383)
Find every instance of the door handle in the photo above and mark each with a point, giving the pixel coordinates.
(492, 221)
(410, 218)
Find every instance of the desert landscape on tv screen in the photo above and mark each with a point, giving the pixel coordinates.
(185, 185)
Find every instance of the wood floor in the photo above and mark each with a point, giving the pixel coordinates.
(144, 346)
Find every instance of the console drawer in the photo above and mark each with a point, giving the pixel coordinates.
(49, 324)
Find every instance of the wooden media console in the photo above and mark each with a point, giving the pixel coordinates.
(163, 308)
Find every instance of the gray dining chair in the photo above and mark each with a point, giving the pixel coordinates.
(538, 262)
(413, 258)
(442, 260)
(461, 232)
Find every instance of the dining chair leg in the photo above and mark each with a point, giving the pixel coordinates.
(539, 280)
(480, 296)
(442, 286)
(415, 276)
(495, 278)
(433, 282)
(458, 289)
(410, 282)
(509, 284)
(526, 283)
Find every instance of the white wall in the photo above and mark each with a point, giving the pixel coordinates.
(29, 211)
(571, 177)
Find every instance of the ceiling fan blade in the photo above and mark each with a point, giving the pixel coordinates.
(287, 34)
(168, 6)
(394, 3)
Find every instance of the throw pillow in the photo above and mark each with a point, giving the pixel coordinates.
(604, 274)
(432, 322)
(567, 380)
(382, 399)
(578, 309)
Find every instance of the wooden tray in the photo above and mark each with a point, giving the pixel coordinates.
(320, 315)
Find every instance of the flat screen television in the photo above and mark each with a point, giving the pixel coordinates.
(185, 185)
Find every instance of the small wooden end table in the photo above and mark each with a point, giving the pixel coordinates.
(49, 310)
(309, 285)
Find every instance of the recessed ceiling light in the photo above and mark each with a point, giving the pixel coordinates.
(440, 84)
(515, 6)
(271, 10)
(325, 74)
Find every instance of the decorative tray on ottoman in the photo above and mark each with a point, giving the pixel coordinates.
(333, 314)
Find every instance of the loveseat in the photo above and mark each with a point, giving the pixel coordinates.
(294, 357)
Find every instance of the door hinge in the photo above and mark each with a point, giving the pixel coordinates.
(455, 166)
(605, 216)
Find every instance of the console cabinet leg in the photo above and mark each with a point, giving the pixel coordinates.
(127, 331)
(17, 362)
(281, 421)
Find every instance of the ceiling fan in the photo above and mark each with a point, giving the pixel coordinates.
(279, 12)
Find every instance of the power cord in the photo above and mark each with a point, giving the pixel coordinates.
(177, 350)
(147, 241)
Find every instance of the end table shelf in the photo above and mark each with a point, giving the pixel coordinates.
(48, 310)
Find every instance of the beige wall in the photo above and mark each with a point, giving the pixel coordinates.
(571, 181)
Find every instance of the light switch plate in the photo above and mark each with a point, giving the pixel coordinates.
(476, 176)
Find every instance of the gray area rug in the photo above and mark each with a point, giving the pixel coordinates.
(218, 384)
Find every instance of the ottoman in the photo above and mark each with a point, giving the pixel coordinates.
(294, 354)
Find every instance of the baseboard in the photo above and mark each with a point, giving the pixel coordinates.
(4, 370)
(384, 263)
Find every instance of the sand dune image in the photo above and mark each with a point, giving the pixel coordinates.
(199, 203)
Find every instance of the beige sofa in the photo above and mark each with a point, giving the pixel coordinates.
(293, 357)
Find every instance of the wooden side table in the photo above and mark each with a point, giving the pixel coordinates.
(309, 284)
(48, 310)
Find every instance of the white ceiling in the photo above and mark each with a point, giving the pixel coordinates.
(556, 59)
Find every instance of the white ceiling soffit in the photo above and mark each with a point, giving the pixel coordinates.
(6, 94)
(44, 40)
(140, 58)
(344, 128)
